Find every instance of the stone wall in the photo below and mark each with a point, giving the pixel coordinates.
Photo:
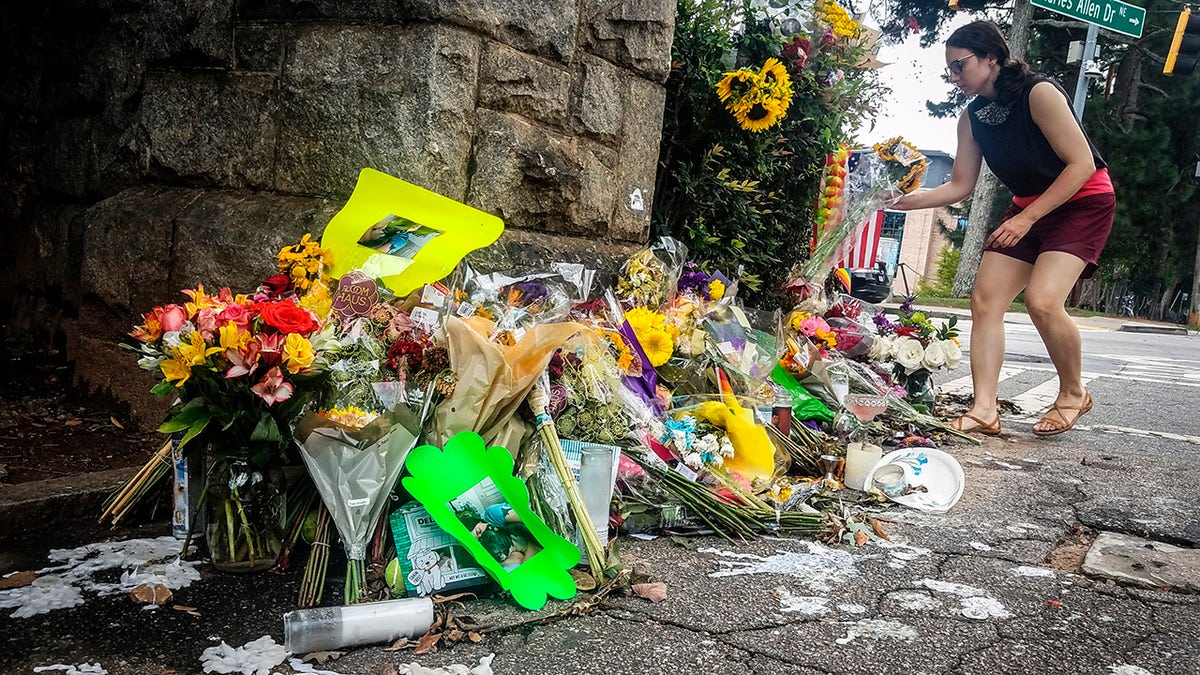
(154, 144)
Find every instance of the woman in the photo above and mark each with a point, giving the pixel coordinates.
(1053, 232)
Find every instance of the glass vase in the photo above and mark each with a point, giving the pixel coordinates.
(244, 515)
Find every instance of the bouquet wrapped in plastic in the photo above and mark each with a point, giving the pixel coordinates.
(856, 184)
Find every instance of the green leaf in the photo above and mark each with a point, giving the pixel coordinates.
(194, 431)
(163, 388)
(191, 413)
(267, 430)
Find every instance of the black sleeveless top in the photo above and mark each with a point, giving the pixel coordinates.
(1014, 147)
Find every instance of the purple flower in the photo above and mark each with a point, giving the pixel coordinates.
(695, 282)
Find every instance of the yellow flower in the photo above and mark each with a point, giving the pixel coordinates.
(775, 78)
(736, 84)
(351, 416)
(317, 299)
(761, 116)
(195, 351)
(643, 320)
(828, 337)
(658, 346)
(298, 353)
(176, 370)
(200, 300)
(232, 338)
(716, 289)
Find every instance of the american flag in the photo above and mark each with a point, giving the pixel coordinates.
(861, 248)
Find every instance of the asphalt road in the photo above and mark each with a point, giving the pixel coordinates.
(990, 587)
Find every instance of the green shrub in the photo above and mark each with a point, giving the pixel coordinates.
(947, 266)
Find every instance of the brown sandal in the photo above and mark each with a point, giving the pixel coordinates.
(980, 427)
(1058, 410)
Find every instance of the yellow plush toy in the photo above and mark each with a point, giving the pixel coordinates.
(753, 452)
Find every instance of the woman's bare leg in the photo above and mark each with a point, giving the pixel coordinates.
(998, 282)
(1054, 274)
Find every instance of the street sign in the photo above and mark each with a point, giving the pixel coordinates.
(1114, 15)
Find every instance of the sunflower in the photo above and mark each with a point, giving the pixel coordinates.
(761, 116)
(658, 346)
(774, 77)
(735, 85)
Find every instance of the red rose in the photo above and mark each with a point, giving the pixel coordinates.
(276, 285)
(907, 331)
(287, 317)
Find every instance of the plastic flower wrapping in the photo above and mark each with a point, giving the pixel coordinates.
(856, 184)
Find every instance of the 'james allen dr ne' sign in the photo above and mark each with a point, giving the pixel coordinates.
(1117, 16)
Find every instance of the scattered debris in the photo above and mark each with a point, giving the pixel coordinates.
(655, 591)
(878, 629)
(81, 669)
(484, 668)
(151, 594)
(17, 580)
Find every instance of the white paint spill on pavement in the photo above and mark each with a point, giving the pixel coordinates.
(974, 603)
(915, 601)
(152, 561)
(256, 657)
(1126, 669)
(80, 669)
(982, 609)
(801, 604)
(980, 546)
(939, 586)
(819, 570)
(853, 608)
(878, 629)
(1028, 571)
(484, 668)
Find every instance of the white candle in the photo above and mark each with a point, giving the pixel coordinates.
(860, 458)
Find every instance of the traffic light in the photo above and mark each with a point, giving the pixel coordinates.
(1185, 47)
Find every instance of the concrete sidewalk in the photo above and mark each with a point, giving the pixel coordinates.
(1105, 323)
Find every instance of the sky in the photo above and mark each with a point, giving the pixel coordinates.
(915, 76)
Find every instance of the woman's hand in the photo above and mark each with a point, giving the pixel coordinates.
(905, 203)
(1010, 231)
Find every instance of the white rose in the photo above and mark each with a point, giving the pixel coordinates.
(908, 352)
(693, 460)
(881, 348)
(935, 356)
(953, 353)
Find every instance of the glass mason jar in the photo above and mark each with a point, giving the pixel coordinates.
(244, 511)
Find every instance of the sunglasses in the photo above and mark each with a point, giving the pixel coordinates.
(955, 67)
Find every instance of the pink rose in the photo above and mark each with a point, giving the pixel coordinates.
(206, 322)
(238, 314)
(172, 317)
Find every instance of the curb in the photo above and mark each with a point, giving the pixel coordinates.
(55, 502)
(1152, 328)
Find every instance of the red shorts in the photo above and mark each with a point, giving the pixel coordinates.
(1079, 227)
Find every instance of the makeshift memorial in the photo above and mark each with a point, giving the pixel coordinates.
(471, 493)
(402, 234)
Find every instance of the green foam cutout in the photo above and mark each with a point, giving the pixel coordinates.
(466, 475)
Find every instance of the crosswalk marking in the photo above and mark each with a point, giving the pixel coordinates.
(963, 385)
(1034, 400)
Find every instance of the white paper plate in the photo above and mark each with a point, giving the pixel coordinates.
(940, 474)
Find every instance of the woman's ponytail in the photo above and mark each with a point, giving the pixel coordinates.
(1013, 77)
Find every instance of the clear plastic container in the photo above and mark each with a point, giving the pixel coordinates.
(595, 485)
(325, 628)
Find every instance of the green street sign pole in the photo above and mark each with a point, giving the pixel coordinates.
(1115, 15)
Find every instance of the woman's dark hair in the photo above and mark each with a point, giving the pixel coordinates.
(983, 38)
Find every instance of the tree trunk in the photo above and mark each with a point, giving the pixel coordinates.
(985, 189)
(1194, 312)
